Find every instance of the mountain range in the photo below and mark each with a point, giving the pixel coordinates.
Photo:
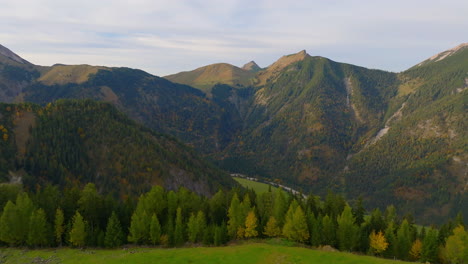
(306, 121)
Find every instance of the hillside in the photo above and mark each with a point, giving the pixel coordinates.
(72, 141)
(206, 77)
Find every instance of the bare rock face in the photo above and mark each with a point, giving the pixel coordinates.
(11, 55)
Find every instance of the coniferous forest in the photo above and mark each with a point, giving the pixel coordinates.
(50, 217)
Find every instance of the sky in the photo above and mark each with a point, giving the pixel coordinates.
(168, 36)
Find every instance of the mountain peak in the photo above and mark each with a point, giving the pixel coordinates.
(4, 51)
(251, 66)
(444, 54)
(274, 69)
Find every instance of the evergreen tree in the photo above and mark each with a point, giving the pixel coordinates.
(201, 225)
(347, 232)
(359, 211)
(24, 209)
(288, 229)
(192, 228)
(78, 231)
(251, 225)
(271, 228)
(430, 247)
(59, 227)
(218, 210)
(329, 231)
(403, 240)
(234, 216)
(139, 228)
(280, 207)
(391, 250)
(9, 227)
(155, 230)
(220, 234)
(114, 235)
(315, 224)
(179, 229)
(301, 229)
(38, 231)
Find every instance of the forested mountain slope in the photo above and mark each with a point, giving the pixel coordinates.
(71, 142)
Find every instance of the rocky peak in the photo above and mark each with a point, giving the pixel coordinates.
(251, 66)
(11, 55)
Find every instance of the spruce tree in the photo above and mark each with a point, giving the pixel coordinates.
(9, 227)
(59, 227)
(328, 231)
(155, 230)
(404, 241)
(179, 229)
(315, 224)
(301, 230)
(78, 231)
(192, 228)
(114, 235)
(280, 207)
(347, 232)
(391, 251)
(430, 247)
(139, 228)
(38, 231)
(234, 216)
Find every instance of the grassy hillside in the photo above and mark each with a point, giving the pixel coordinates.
(249, 253)
(74, 141)
(258, 187)
(206, 77)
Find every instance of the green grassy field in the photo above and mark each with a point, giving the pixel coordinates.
(247, 253)
(258, 187)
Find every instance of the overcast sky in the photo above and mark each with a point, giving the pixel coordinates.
(164, 37)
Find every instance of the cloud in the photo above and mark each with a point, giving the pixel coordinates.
(165, 36)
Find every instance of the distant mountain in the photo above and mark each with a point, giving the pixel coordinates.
(251, 66)
(73, 142)
(206, 77)
(15, 74)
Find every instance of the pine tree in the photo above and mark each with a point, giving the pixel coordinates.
(430, 247)
(272, 229)
(329, 231)
(179, 229)
(201, 225)
(301, 228)
(59, 227)
(234, 215)
(403, 240)
(377, 242)
(280, 207)
(251, 225)
(114, 235)
(347, 232)
(359, 211)
(315, 224)
(155, 230)
(9, 227)
(391, 250)
(37, 229)
(139, 228)
(24, 209)
(78, 231)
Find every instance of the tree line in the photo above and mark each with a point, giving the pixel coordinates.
(50, 217)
